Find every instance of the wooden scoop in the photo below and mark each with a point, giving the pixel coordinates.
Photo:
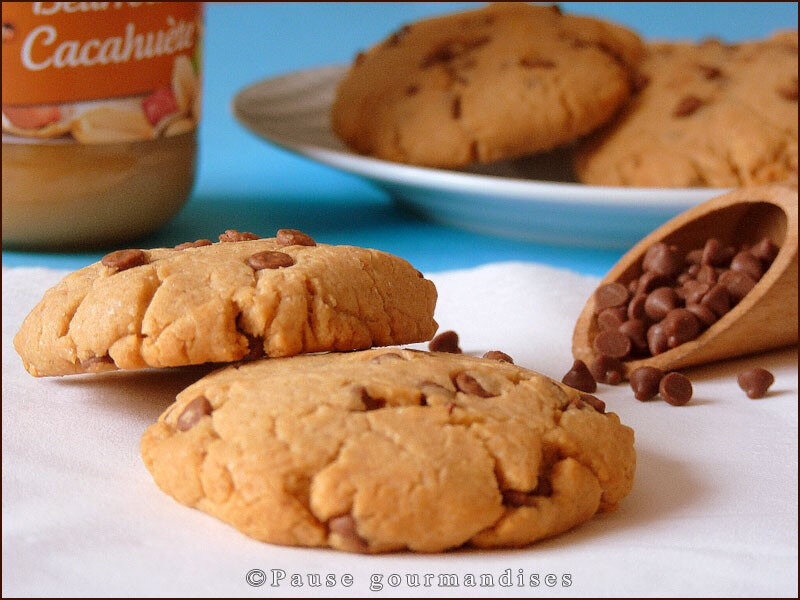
(765, 318)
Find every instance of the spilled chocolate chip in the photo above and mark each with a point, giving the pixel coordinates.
(195, 244)
(607, 369)
(644, 382)
(231, 235)
(497, 355)
(580, 378)
(269, 259)
(345, 528)
(675, 388)
(294, 237)
(447, 341)
(755, 382)
(194, 411)
(469, 385)
(124, 259)
(371, 403)
(687, 106)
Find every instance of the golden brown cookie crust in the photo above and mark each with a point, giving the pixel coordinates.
(503, 81)
(707, 115)
(379, 451)
(214, 303)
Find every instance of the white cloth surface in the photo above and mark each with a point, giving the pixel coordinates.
(713, 511)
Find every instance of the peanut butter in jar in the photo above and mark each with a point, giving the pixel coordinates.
(100, 107)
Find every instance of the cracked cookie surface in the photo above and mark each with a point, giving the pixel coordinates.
(388, 450)
(707, 115)
(503, 81)
(243, 298)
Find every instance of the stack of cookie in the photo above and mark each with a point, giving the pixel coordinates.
(515, 79)
(364, 451)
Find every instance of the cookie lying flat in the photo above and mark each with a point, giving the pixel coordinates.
(504, 81)
(708, 115)
(240, 298)
(390, 449)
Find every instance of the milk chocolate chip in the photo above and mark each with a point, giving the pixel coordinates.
(755, 382)
(293, 237)
(269, 259)
(469, 385)
(195, 244)
(676, 389)
(644, 382)
(497, 355)
(124, 259)
(194, 411)
(580, 378)
(345, 528)
(231, 235)
(447, 341)
(610, 295)
(607, 369)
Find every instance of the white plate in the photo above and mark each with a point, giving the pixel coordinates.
(533, 198)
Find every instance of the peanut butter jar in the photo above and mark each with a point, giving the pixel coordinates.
(100, 105)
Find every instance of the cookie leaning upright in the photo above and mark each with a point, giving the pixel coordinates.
(707, 114)
(242, 298)
(504, 81)
(390, 449)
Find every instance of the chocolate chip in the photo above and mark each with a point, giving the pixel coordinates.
(398, 36)
(359, 58)
(765, 250)
(694, 257)
(610, 295)
(687, 106)
(231, 235)
(636, 307)
(676, 389)
(694, 270)
(717, 300)
(96, 360)
(124, 259)
(714, 253)
(450, 50)
(662, 260)
(706, 316)
(580, 378)
(683, 278)
(255, 347)
(594, 402)
(639, 82)
(269, 259)
(412, 90)
(8, 32)
(788, 91)
(693, 291)
(497, 355)
(755, 382)
(636, 330)
(737, 284)
(386, 357)
(516, 499)
(650, 281)
(447, 341)
(644, 382)
(706, 274)
(345, 528)
(612, 318)
(469, 385)
(532, 62)
(657, 339)
(748, 264)
(556, 9)
(194, 411)
(680, 326)
(293, 237)
(371, 403)
(612, 343)
(660, 302)
(633, 286)
(607, 369)
(455, 109)
(195, 244)
(710, 71)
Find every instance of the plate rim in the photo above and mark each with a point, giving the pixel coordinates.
(511, 188)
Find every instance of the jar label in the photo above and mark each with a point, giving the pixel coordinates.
(100, 72)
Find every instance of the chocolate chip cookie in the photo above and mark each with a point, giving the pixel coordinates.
(503, 81)
(240, 298)
(390, 449)
(706, 115)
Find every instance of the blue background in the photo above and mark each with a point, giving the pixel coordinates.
(247, 184)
